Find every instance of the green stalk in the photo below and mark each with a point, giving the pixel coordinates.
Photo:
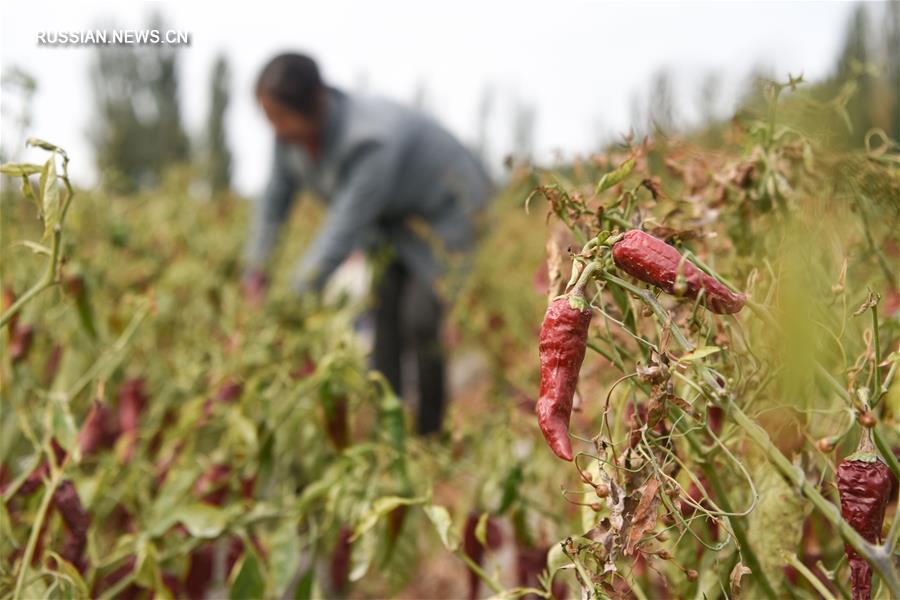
(746, 550)
(482, 575)
(48, 280)
(876, 556)
(877, 356)
(809, 576)
(35, 533)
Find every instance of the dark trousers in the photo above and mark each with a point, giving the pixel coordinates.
(408, 316)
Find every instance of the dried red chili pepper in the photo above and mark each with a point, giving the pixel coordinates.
(76, 521)
(200, 572)
(53, 360)
(335, 412)
(473, 548)
(20, 343)
(42, 471)
(132, 402)
(395, 520)
(340, 561)
(655, 262)
(212, 486)
(99, 431)
(864, 483)
(563, 342)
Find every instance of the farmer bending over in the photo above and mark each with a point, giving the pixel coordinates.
(392, 178)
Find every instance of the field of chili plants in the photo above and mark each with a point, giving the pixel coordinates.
(674, 377)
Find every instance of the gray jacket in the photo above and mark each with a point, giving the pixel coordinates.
(385, 171)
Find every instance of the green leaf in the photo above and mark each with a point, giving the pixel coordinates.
(201, 520)
(557, 559)
(284, 556)
(379, 509)
(612, 178)
(304, 589)
(361, 557)
(510, 489)
(147, 572)
(243, 430)
(62, 423)
(248, 582)
(20, 169)
(34, 247)
(481, 529)
(68, 572)
(809, 161)
(699, 353)
(442, 522)
(51, 205)
(39, 143)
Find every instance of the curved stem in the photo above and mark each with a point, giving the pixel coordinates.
(482, 575)
(46, 281)
(809, 576)
(35, 533)
(876, 556)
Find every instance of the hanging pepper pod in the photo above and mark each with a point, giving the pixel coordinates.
(563, 341)
(655, 262)
(865, 486)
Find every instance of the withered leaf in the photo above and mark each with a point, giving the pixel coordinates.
(644, 518)
(737, 572)
(557, 271)
(654, 185)
(683, 405)
(871, 300)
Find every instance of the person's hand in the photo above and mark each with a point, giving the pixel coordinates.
(253, 287)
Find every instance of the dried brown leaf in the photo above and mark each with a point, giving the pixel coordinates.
(737, 572)
(644, 518)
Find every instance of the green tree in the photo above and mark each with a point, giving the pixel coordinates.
(137, 131)
(218, 153)
(892, 43)
(852, 64)
(172, 141)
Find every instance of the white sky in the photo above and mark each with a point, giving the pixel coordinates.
(577, 62)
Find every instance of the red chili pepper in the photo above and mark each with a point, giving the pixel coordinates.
(655, 262)
(132, 402)
(865, 486)
(53, 360)
(20, 343)
(113, 577)
(212, 486)
(76, 521)
(200, 572)
(99, 430)
(335, 412)
(340, 561)
(563, 342)
(473, 548)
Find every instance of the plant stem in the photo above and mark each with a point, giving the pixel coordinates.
(877, 356)
(877, 556)
(487, 579)
(874, 555)
(36, 528)
(809, 576)
(48, 280)
(745, 549)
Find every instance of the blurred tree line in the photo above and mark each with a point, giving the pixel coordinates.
(865, 78)
(138, 131)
